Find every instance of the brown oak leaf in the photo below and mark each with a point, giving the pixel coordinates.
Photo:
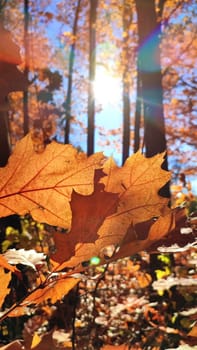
(53, 290)
(175, 239)
(42, 184)
(88, 214)
(155, 231)
(135, 187)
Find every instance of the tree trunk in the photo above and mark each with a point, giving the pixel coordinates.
(127, 17)
(26, 70)
(4, 135)
(150, 76)
(70, 76)
(92, 71)
(138, 115)
(149, 70)
(149, 67)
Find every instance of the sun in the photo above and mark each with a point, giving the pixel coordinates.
(107, 88)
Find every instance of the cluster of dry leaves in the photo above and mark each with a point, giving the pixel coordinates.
(99, 204)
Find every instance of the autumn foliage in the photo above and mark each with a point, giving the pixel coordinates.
(99, 259)
(107, 212)
(98, 203)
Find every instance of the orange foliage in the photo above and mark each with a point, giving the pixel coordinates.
(5, 279)
(6, 265)
(60, 187)
(111, 212)
(42, 184)
(53, 291)
(109, 218)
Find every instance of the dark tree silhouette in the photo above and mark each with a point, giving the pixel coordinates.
(92, 70)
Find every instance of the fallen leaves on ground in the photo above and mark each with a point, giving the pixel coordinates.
(46, 342)
(116, 347)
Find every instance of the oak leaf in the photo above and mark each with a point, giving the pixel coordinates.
(42, 184)
(134, 240)
(5, 279)
(168, 242)
(138, 183)
(53, 290)
(102, 220)
(88, 214)
(4, 263)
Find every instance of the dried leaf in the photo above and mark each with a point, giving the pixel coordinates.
(110, 217)
(36, 340)
(144, 279)
(193, 332)
(154, 231)
(138, 183)
(62, 338)
(25, 257)
(42, 184)
(88, 214)
(164, 284)
(46, 343)
(18, 311)
(54, 291)
(5, 279)
(6, 265)
(174, 235)
(15, 345)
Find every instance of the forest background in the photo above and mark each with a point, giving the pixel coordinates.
(102, 75)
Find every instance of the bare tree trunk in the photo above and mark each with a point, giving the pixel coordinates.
(26, 70)
(127, 17)
(149, 67)
(4, 135)
(70, 76)
(149, 70)
(138, 115)
(149, 73)
(92, 71)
